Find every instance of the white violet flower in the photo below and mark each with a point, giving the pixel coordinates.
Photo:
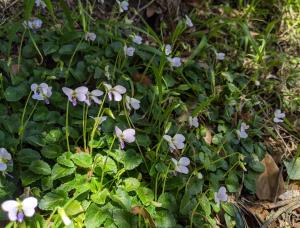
(16, 209)
(115, 92)
(41, 92)
(242, 132)
(137, 39)
(129, 51)
(278, 116)
(220, 56)
(221, 195)
(93, 96)
(175, 62)
(132, 103)
(176, 142)
(123, 6)
(168, 49)
(5, 158)
(40, 3)
(79, 94)
(34, 23)
(90, 36)
(181, 165)
(127, 136)
(193, 122)
(188, 22)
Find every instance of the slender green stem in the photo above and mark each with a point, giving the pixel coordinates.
(103, 169)
(165, 179)
(96, 124)
(67, 126)
(193, 212)
(36, 47)
(51, 215)
(84, 124)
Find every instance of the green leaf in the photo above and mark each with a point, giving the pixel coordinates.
(204, 202)
(67, 49)
(65, 159)
(131, 184)
(79, 72)
(106, 163)
(56, 198)
(95, 216)
(82, 159)
(15, 93)
(28, 177)
(100, 197)
(26, 156)
(293, 169)
(132, 160)
(74, 208)
(28, 8)
(51, 151)
(232, 182)
(59, 171)
(40, 167)
(49, 48)
(187, 204)
(47, 183)
(168, 201)
(143, 140)
(122, 198)
(164, 219)
(146, 195)
(53, 136)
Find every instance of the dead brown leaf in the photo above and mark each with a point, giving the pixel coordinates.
(208, 136)
(270, 183)
(142, 78)
(137, 210)
(15, 69)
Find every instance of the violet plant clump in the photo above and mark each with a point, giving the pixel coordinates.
(109, 118)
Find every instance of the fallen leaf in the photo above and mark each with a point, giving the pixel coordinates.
(15, 69)
(137, 210)
(289, 194)
(208, 136)
(270, 182)
(142, 78)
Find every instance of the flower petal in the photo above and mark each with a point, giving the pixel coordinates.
(33, 87)
(28, 205)
(120, 89)
(97, 93)
(117, 96)
(10, 205)
(179, 138)
(184, 161)
(129, 135)
(118, 132)
(182, 169)
(135, 104)
(4, 154)
(68, 92)
(3, 166)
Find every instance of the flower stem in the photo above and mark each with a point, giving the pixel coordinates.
(84, 124)
(96, 124)
(103, 169)
(67, 126)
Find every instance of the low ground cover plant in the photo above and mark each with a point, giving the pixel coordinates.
(106, 123)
